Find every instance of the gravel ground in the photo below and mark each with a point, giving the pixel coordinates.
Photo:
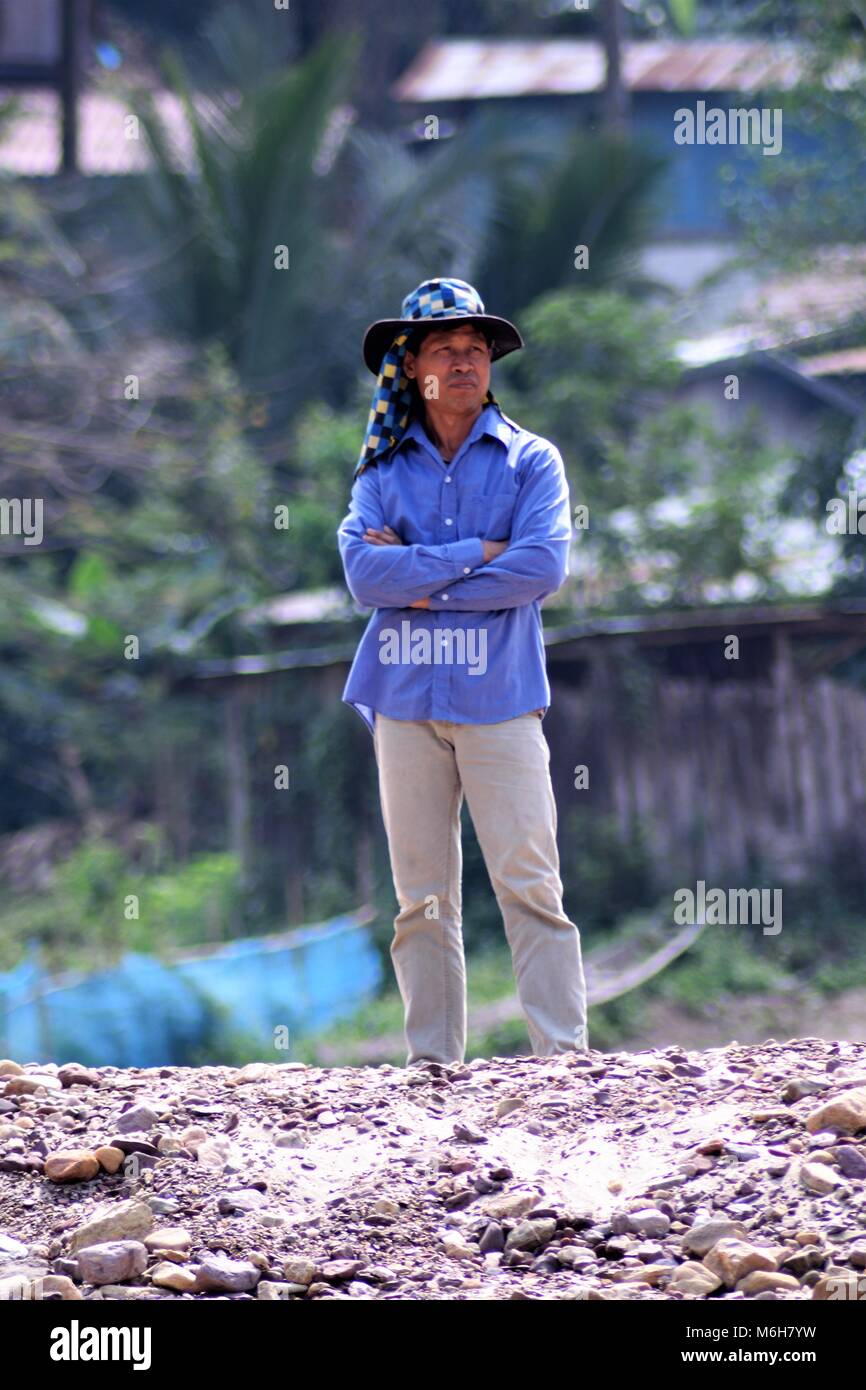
(728, 1174)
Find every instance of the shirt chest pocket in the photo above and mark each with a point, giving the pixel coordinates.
(487, 515)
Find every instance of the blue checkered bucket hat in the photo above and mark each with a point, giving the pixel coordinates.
(385, 344)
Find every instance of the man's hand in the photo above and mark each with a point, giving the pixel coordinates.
(493, 548)
(388, 536)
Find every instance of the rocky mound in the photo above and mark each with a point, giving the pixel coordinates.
(737, 1173)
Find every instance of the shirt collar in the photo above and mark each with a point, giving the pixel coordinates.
(489, 422)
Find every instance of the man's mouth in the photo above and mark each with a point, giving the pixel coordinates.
(463, 382)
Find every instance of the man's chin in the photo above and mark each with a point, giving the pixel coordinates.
(462, 398)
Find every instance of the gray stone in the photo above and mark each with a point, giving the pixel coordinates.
(112, 1261)
(530, 1235)
(851, 1161)
(649, 1222)
(700, 1239)
(241, 1200)
(235, 1276)
(137, 1117)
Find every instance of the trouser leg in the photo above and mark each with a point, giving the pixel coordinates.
(421, 798)
(505, 772)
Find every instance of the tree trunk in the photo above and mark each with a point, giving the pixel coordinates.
(615, 106)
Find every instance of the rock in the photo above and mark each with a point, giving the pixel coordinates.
(218, 1272)
(192, 1136)
(648, 1251)
(818, 1177)
(509, 1204)
(336, 1271)
(777, 1167)
(846, 1113)
(760, 1280)
(470, 1134)
(851, 1161)
(857, 1254)
(168, 1238)
(385, 1207)
(134, 1144)
(214, 1154)
(700, 1239)
(456, 1248)
(137, 1118)
(695, 1279)
(31, 1082)
(253, 1071)
(801, 1261)
(741, 1151)
(74, 1074)
(162, 1206)
(71, 1165)
(276, 1217)
(112, 1261)
(114, 1221)
(530, 1235)
(808, 1237)
(649, 1222)
(241, 1200)
(272, 1291)
(170, 1276)
(60, 1285)
(108, 1157)
(733, 1259)
(300, 1271)
(508, 1105)
(800, 1086)
(492, 1240)
(9, 1068)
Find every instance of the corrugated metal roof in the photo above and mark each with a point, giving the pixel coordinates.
(787, 310)
(845, 362)
(462, 69)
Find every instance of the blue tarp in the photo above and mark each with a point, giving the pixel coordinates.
(146, 1012)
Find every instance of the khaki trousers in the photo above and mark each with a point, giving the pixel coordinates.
(425, 766)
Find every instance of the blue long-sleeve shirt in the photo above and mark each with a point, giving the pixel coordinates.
(476, 655)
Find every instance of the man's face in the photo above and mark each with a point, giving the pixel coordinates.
(452, 366)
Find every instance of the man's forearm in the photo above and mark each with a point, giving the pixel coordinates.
(524, 574)
(395, 576)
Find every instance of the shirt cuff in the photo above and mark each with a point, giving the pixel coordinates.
(468, 554)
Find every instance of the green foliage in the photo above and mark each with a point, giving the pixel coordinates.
(81, 921)
(589, 190)
(604, 875)
(723, 961)
(679, 511)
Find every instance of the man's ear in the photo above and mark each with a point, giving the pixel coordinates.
(409, 364)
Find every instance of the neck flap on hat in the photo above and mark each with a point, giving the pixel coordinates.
(391, 410)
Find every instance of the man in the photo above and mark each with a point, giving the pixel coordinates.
(459, 524)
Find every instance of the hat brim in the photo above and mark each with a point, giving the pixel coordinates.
(380, 335)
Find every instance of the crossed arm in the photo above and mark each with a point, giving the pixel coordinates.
(465, 576)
